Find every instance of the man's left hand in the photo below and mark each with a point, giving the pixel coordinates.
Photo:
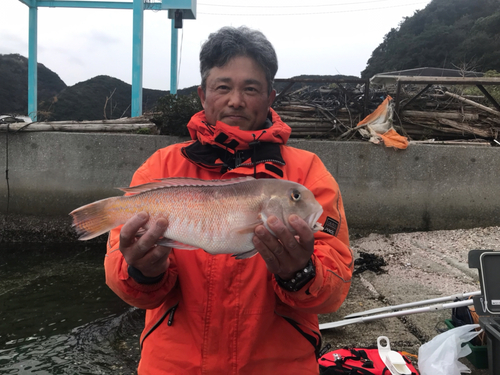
(286, 253)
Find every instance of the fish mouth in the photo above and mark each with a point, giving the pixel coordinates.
(312, 220)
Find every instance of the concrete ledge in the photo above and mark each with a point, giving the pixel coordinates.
(426, 187)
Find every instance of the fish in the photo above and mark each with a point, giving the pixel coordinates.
(218, 216)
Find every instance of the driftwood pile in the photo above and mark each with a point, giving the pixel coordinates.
(328, 111)
(440, 114)
(446, 115)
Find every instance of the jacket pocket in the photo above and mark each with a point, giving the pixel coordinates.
(169, 313)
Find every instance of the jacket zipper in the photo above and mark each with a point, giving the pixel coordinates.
(170, 312)
(315, 341)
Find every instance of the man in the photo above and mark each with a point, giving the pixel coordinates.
(216, 314)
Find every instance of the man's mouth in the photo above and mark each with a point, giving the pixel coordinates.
(235, 116)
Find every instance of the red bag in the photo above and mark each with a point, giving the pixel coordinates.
(356, 362)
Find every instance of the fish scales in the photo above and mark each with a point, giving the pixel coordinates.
(209, 214)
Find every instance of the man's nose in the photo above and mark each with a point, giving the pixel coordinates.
(236, 99)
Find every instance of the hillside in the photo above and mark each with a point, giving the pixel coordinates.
(463, 34)
(101, 97)
(14, 84)
(98, 98)
(94, 99)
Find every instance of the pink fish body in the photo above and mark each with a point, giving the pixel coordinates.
(218, 216)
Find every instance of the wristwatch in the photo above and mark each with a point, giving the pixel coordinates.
(301, 278)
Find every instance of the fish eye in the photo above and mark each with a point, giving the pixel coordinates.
(295, 195)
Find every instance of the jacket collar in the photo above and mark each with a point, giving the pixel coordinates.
(232, 137)
(224, 147)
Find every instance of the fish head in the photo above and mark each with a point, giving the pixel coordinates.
(294, 199)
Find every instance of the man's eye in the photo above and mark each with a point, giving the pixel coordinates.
(222, 88)
(251, 89)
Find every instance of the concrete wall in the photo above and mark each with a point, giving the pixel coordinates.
(426, 187)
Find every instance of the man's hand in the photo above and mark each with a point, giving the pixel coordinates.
(142, 253)
(286, 254)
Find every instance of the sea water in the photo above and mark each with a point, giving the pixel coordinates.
(57, 316)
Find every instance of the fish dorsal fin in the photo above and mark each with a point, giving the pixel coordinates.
(182, 181)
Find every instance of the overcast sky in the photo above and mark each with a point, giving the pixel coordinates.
(324, 37)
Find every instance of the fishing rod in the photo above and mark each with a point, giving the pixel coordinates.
(364, 319)
(414, 304)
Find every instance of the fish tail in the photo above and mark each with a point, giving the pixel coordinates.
(93, 219)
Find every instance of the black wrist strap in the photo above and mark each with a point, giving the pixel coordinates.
(137, 275)
(300, 279)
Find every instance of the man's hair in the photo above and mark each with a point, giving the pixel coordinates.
(230, 42)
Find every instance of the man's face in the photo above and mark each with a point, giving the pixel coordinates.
(236, 94)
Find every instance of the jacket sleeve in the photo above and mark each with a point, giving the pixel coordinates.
(117, 278)
(332, 255)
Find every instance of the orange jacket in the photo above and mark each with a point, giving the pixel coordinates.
(219, 315)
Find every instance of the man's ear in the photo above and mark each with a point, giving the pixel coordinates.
(201, 94)
(272, 96)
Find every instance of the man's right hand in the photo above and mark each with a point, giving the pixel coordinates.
(142, 252)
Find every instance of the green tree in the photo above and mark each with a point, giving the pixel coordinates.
(447, 34)
(173, 112)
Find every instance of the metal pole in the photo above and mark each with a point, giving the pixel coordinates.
(414, 304)
(364, 319)
(137, 57)
(398, 97)
(367, 98)
(33, 64)
(173, 59)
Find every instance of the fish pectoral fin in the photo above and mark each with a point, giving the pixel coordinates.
(246, 254)
(247, 228)
(167, 242)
